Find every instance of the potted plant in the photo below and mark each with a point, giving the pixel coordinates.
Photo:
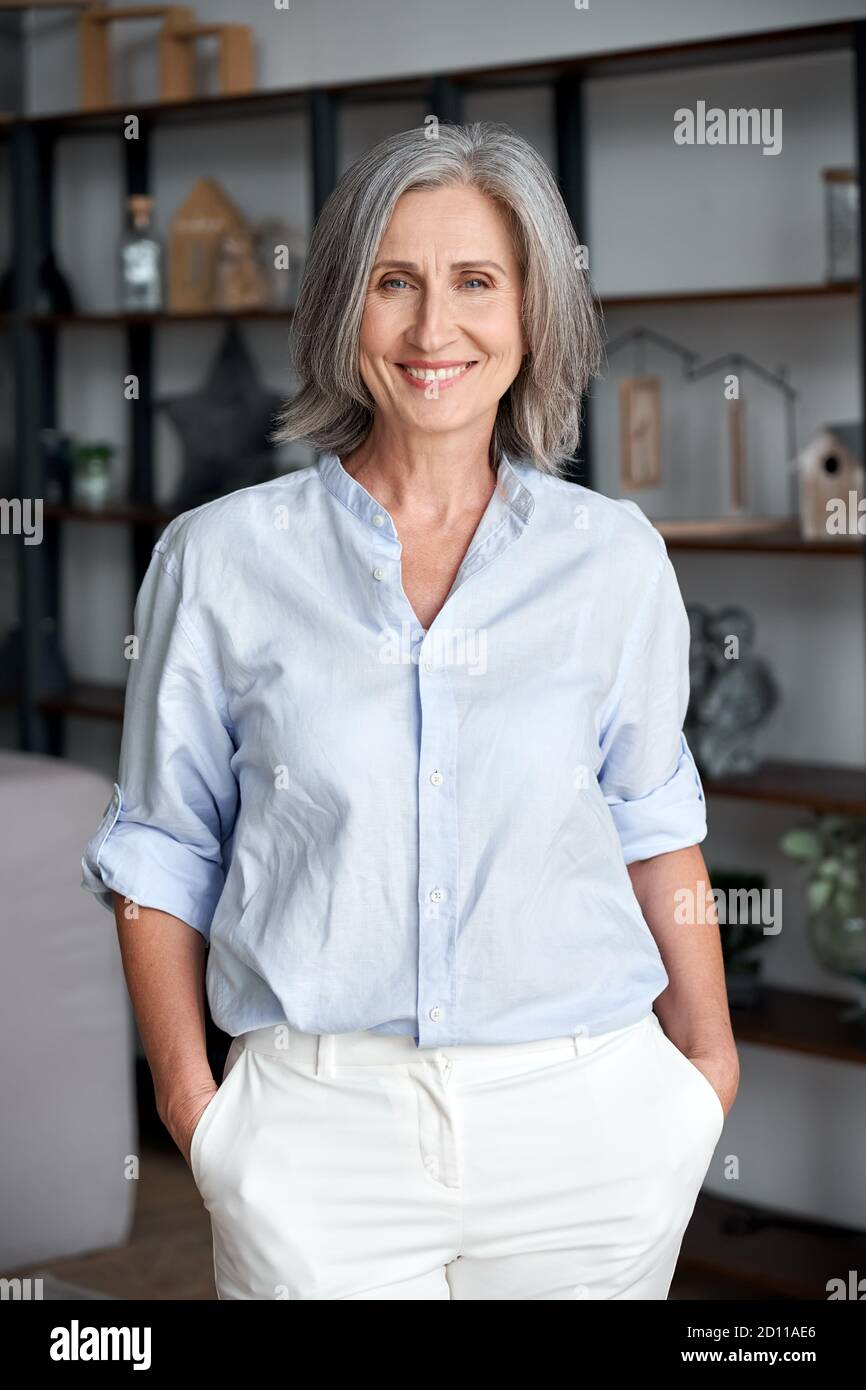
(92, 474)
(835, 847)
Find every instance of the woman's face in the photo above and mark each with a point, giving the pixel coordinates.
(445, 294)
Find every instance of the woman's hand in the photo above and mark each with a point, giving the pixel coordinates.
(164, 964)
(182, 1114)
(722, 1070)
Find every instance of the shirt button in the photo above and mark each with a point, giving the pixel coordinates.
(378, 572)
(436, 1013)
(378, 519)
(437, 779)
(436, 895)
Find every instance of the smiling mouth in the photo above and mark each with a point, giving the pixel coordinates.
(443, 376)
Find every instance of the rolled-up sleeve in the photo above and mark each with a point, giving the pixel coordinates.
(648, 774)
(160, 840)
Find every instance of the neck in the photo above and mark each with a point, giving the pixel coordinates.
(437, 477)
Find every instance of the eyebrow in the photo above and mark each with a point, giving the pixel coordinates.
(455, 265)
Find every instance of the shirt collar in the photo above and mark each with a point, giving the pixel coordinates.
(510, 487)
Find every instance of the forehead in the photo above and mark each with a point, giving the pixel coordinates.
(457, 217)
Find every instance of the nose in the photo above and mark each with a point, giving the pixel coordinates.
(434, 327)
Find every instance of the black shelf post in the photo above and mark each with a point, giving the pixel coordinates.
(860, 146)
(323, 147)
(571, 169)
(31, 162)
(447, 100)
(139, 356)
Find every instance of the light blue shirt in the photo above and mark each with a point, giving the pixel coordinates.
(377, 826)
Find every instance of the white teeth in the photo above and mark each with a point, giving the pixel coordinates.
(437, 374)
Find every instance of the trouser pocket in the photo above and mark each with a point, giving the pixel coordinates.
(698, 1112)
(212, 1118)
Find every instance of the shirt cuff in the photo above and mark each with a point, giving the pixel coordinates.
(672, 816)
(149, 867)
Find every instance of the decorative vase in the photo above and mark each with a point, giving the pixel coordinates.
(838, 940)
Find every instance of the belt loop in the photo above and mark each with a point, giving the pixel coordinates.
(580, 1033)
(325, 1055)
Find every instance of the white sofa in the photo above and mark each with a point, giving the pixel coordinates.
(68, 1127)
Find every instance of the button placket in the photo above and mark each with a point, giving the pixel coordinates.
(438, 857)
(438, 860)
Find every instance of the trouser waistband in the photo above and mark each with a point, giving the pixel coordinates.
(320, 1052)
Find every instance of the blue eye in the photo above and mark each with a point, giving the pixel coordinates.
(392, 280)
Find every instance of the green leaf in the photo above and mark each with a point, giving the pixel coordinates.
(802, 844)
(834, 825)
(818, 893)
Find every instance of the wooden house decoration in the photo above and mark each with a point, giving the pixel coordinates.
(207, 222)
(176, 40)
(829, 469)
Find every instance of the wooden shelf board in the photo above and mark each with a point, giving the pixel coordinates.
(112, 318)
(785, 1255)
(128, 512)
(793, 1021)
(87, 701)
(672, 298)
(825, 787)
(779, 538)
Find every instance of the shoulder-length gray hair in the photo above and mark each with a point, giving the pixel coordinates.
(539, 417)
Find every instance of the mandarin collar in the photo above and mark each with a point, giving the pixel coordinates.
(510, 487)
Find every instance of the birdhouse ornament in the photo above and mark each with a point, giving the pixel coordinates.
(830, 474)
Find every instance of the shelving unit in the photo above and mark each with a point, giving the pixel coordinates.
(786, 1020)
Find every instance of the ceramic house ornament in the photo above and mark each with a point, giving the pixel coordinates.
(830, 474)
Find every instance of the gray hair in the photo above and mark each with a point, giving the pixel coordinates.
(539, 417)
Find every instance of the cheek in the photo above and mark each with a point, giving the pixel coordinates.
(381, 325)
(374, 332)
(499, 332)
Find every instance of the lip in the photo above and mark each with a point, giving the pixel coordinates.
(434, 366)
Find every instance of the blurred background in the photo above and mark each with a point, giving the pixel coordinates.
(160, 173)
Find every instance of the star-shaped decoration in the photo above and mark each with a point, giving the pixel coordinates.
(224, 426)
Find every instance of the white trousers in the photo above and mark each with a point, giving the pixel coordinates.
(357, 1166)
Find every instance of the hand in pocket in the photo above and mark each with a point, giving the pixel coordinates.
(189, 1113)
(715, 1072)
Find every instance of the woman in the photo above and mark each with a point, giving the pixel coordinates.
(403, 743)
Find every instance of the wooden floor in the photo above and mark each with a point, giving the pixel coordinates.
(170, 1255)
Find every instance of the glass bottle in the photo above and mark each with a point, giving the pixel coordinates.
(140, 259)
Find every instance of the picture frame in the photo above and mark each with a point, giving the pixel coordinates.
(640, 432)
